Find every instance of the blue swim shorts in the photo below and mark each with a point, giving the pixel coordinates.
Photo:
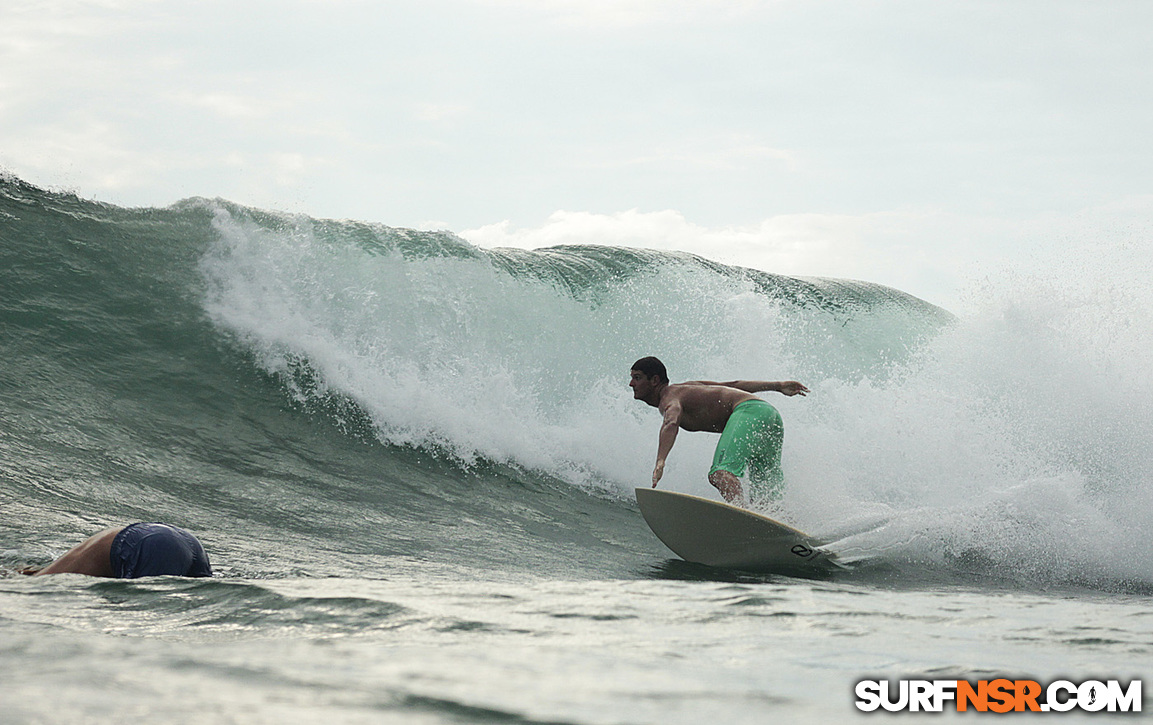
(155, 550)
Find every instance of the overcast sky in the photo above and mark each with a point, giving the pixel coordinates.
(910, 142)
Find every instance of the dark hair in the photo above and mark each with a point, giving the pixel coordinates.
(651, 367)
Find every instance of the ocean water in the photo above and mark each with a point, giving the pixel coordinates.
(412, 460)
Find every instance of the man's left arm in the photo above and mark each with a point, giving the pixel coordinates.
(785, 387)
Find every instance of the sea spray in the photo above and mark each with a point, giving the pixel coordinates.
(1015, 443)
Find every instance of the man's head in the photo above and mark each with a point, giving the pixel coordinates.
(647, 377)
(652, 367)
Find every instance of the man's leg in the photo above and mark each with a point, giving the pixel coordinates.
(729, 486)
(766, 482)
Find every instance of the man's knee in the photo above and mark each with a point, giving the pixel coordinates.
(728, 484)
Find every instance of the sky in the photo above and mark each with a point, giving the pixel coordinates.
(916, 144)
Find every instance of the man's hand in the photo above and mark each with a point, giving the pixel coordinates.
(658, 472)
(792, 387)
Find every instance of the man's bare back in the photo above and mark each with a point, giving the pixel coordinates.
(704, 405)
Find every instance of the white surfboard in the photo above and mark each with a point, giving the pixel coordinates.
(709, 532)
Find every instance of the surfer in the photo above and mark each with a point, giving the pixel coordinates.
(136, 550)
(751, 429)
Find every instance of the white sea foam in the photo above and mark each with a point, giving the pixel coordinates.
(1018, 440)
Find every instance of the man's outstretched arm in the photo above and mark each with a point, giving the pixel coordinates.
(669, 428)
(785, 387)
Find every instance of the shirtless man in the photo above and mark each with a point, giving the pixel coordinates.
(751, 429)
(136, 550)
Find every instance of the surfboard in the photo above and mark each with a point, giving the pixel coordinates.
(709, 532)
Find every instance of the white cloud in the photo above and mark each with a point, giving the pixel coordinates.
(722, 155)
(618, 14)
(795, 244)
(830, 245)
(439, 111)
(930, 253)
(236, 105)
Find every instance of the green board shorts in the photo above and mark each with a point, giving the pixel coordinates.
(752, 440)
